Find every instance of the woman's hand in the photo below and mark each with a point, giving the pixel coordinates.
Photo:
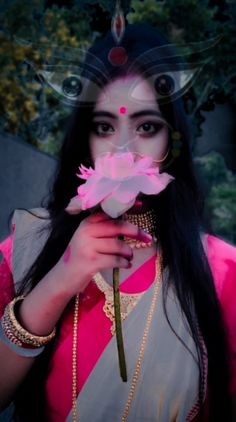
(95, 246)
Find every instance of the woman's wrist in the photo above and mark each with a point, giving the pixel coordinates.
(71, 279)
(41, 309)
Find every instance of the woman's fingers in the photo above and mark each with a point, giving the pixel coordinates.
(97, 217)
(74, 206)
(112, 261)
(101, 225)
(115, 228)
(113, 247)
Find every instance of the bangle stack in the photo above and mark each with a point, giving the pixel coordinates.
(18, 336)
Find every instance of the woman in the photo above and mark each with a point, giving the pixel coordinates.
(179, 334)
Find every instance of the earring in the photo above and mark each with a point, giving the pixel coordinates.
(175, 149)
(162, 159)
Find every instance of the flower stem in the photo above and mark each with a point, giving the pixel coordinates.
(118, 325)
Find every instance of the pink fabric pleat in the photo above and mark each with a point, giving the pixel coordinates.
(222, 259)
(7, 290)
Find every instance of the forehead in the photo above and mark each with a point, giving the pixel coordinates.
(125, 91)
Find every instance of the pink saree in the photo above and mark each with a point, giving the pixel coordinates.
(95, 346)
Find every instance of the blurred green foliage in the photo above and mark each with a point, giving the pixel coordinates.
(186, 22)
(220, 189)
(32, 33)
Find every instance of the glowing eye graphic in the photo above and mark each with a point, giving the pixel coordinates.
(72, 86)
(167, 84)
(164, 85)
(82, 76)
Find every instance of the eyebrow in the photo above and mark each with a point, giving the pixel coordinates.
(132, 116)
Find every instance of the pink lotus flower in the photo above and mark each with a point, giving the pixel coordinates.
(115, 183)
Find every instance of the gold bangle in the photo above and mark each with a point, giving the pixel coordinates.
(18, 332)
(9, 332)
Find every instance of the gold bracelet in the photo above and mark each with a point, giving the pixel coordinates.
(9, 333)
(19, 333)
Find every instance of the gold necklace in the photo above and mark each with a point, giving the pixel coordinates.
(146, 221)
(136, 374)
(128, 301)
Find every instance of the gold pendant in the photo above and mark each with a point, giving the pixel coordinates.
(128, 301)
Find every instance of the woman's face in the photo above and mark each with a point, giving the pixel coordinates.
(122, 124)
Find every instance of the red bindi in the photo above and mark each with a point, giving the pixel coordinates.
(123, 110)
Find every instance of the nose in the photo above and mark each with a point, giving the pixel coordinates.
(124, 139)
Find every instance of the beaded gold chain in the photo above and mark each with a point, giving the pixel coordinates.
(75, 416)
(74, 361)
(146, 220)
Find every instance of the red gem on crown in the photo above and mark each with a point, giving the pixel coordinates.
(117, 56)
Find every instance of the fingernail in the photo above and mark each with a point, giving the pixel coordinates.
(128, 256)
(145, 236)
(72, 211)
(138, 203)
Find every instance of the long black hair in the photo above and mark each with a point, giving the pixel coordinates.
(179, 210)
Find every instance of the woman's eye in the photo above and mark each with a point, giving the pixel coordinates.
(150, 128)
(102, 129)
